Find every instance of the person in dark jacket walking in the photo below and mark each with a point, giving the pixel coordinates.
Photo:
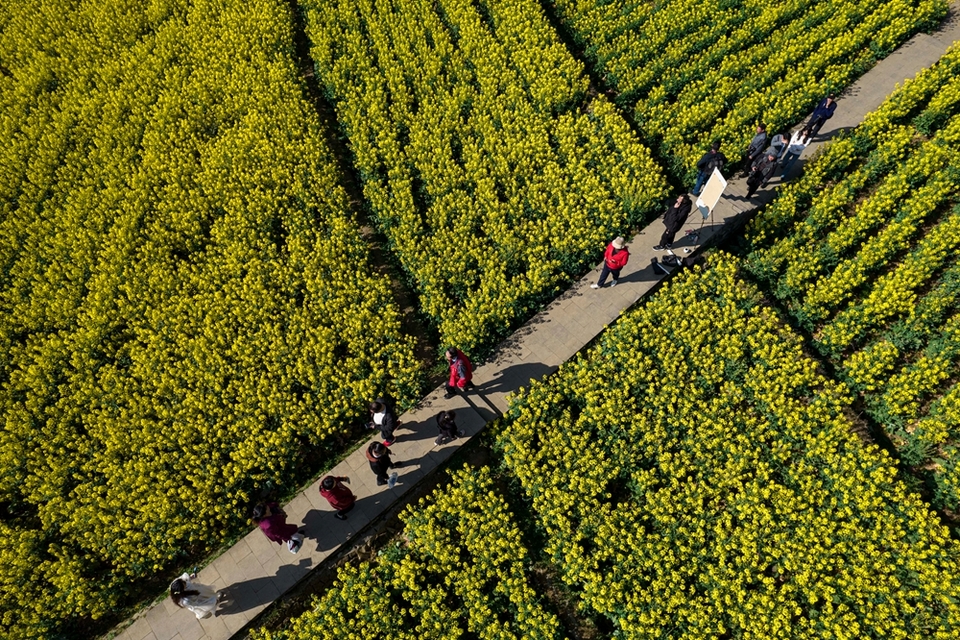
(379, 458)
(673, 220)
(338, 495)
(447, 424)
(711, 160)
(383, 418)
(273, 522)
(461, 372)
(757, 144)
(761, 174)
(614, 260)
(821, 114)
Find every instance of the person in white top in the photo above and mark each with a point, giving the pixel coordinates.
(199, 598)
(798, 142)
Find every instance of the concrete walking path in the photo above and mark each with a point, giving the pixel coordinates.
(255, 571)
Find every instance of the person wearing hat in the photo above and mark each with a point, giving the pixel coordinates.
(614, 259)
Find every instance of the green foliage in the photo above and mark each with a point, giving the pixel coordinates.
(707, 483)
(492, 184)
(694, 72)
(868, 262)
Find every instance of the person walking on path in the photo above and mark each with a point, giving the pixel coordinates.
(385, 419)
(798, 142)
(674, 218)
(711, 160)
(447, 424)
(761, 174)
(379, 458)
(273, 522)
(756, 147)
(778, 144)
(614, 260)
(201, 599)
(338, 495)
(461, 372)
(821, 114)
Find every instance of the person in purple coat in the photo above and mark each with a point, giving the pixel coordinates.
(273, 522)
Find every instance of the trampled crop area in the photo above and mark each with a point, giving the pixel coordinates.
(185, 302)
(863, 252)
(693, 72)
(491, 183)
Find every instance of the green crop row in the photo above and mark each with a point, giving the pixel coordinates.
(492, 179)
(694, 72)
(863, 252)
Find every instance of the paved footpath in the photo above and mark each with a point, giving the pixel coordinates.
(256, 571)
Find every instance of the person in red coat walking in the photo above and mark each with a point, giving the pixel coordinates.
(338, 495)
(614, 259)
(461, 372)
(273, 522)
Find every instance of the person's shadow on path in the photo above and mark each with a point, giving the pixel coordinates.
(515, 376)
(243, 596)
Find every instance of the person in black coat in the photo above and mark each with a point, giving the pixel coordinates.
(383, 418)
(761, 174)
(711, 160)
(673, 220)
(755, 150)
(821, 114)
(379, 458)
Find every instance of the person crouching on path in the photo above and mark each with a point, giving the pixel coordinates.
(761, 174)
(199, 598)
(273, 522)
(385, 419)
(461, 372)
(338, 495)
(673, 220)
(447, 424)
(614, 260)
(379, 458)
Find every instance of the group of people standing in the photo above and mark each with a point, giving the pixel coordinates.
(762, 158)
(271, 519)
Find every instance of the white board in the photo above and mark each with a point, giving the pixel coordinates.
(711, 193)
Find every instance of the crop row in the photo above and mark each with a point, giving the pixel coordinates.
(863, 252)
(692, 72)
(708, 484)
(490, 182)
(186, 301)
(460, 571)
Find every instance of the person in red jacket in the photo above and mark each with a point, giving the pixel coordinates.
(461, 372)
(338, 495)
(614, 259)
(273, 522)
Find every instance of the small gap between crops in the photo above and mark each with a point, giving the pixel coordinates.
(384, 262)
